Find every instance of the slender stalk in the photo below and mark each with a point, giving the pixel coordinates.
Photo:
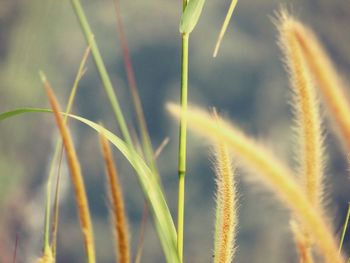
(344, 229)
(57, 151)
(107, 83)
(146, 141)
(224, 27)
(182, 142)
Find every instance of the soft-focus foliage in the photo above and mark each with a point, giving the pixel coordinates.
(246, 79)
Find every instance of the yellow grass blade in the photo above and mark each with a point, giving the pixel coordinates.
(271, 171)
(224, 27)
(118, 211)
(76, 176)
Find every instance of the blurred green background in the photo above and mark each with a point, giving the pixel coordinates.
(247, 83)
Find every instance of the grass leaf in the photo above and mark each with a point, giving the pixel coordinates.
(190, 16)
(224, 27)
(150, 185)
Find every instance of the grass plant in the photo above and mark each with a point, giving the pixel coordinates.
(300, 190)
(76, 176)
(226, 204)
(118, 210)
(272, 172)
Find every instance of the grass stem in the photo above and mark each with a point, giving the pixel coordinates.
(344, 229)
(182, 144)
(102, 71)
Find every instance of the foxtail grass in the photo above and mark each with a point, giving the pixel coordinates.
(76, 176)
(303, 244)
(149, 183)
(59, 149)
(120, 224)
(306, 107)
(226, 208)
(273, 173)
(308, 126)
(47, 257)
(326, 77)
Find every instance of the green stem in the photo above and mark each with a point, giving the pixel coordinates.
(344, 229)
(107, 84)
(182, 145)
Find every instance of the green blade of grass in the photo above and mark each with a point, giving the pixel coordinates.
(190, 16)
(107, 84)
(224, 27)
(150, 185)
(344, 229)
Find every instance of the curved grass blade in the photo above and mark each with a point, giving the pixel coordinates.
(224, 27)
(107, 83)
(190, 16)
(150, 185)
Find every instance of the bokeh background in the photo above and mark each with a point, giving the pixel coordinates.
(247, 83)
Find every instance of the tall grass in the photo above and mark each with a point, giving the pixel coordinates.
(301, 194)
